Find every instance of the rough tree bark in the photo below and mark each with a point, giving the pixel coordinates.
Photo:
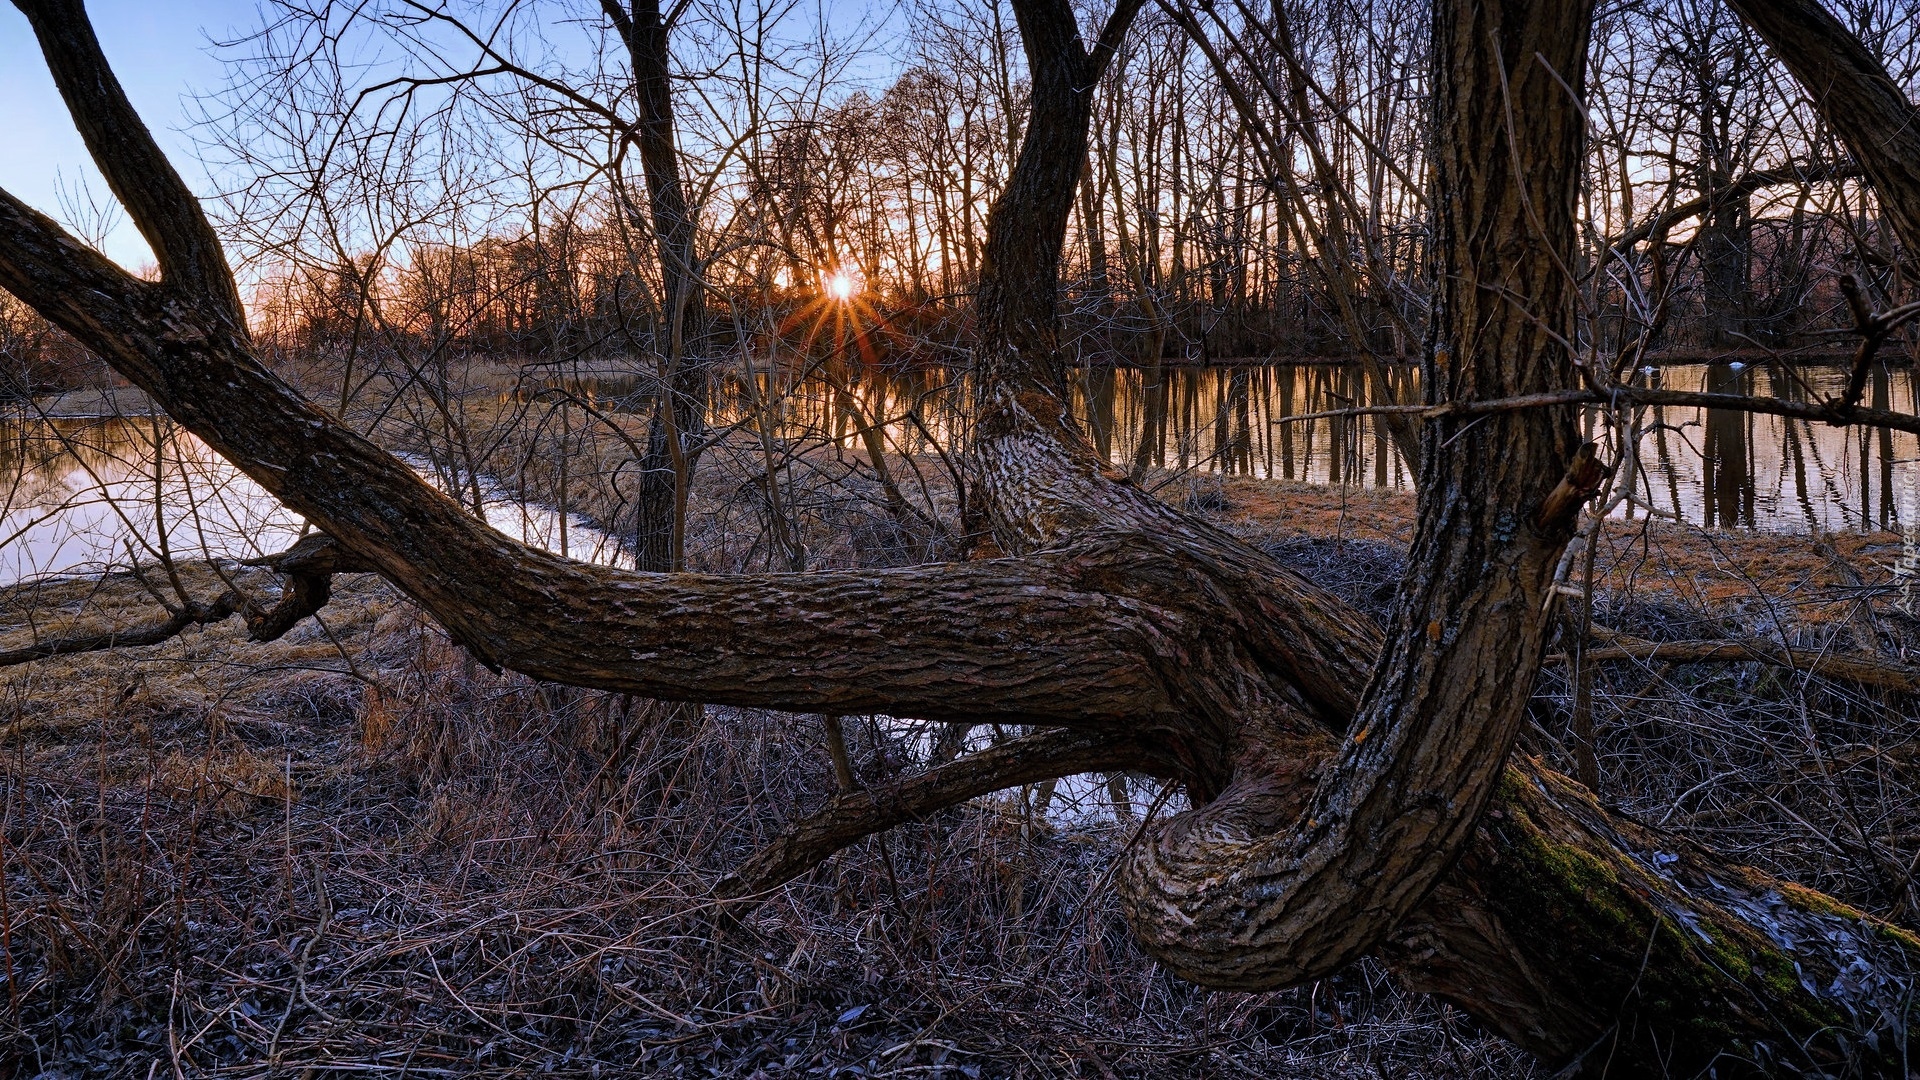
(666, 469)
(1338, 773)
(1447, 696)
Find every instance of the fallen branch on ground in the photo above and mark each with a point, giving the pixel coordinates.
(172, 626)
(307, 569)
(1861, 669)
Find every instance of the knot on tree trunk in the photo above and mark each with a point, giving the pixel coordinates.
(307, 569)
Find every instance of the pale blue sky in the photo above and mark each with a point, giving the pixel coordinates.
(159, 49)
(163, 53)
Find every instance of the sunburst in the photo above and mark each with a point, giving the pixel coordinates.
(841, 285)
(842, 312)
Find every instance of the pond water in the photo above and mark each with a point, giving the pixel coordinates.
(79, 495)
(85, 495)
(1709, 467)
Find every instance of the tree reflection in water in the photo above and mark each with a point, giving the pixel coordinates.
(85, 494)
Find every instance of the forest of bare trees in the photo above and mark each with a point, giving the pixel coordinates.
(697, 539)
(1255, 182)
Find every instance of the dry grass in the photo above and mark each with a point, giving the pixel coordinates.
(354, 850)
(234, 859)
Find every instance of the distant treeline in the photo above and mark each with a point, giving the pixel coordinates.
(1256, 187)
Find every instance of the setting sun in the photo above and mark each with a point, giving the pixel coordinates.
(841, 285)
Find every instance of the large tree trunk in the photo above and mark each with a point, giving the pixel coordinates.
(1547, 928)
(1338, 775)
(1446, 697)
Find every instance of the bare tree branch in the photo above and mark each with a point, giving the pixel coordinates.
(1854, 94)
(141, 177)
(193, 614)
(1869, 671)
(1817, 172)
(1111, 35)
(1025, 760)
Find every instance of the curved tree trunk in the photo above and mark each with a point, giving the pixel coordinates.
(1339, 774)
(1446, 697)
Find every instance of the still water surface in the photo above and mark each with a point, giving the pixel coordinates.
(79, 495)
(84, 495)
(1710, 467)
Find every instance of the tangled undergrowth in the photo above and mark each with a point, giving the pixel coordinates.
(434, 869)
(356, 850)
